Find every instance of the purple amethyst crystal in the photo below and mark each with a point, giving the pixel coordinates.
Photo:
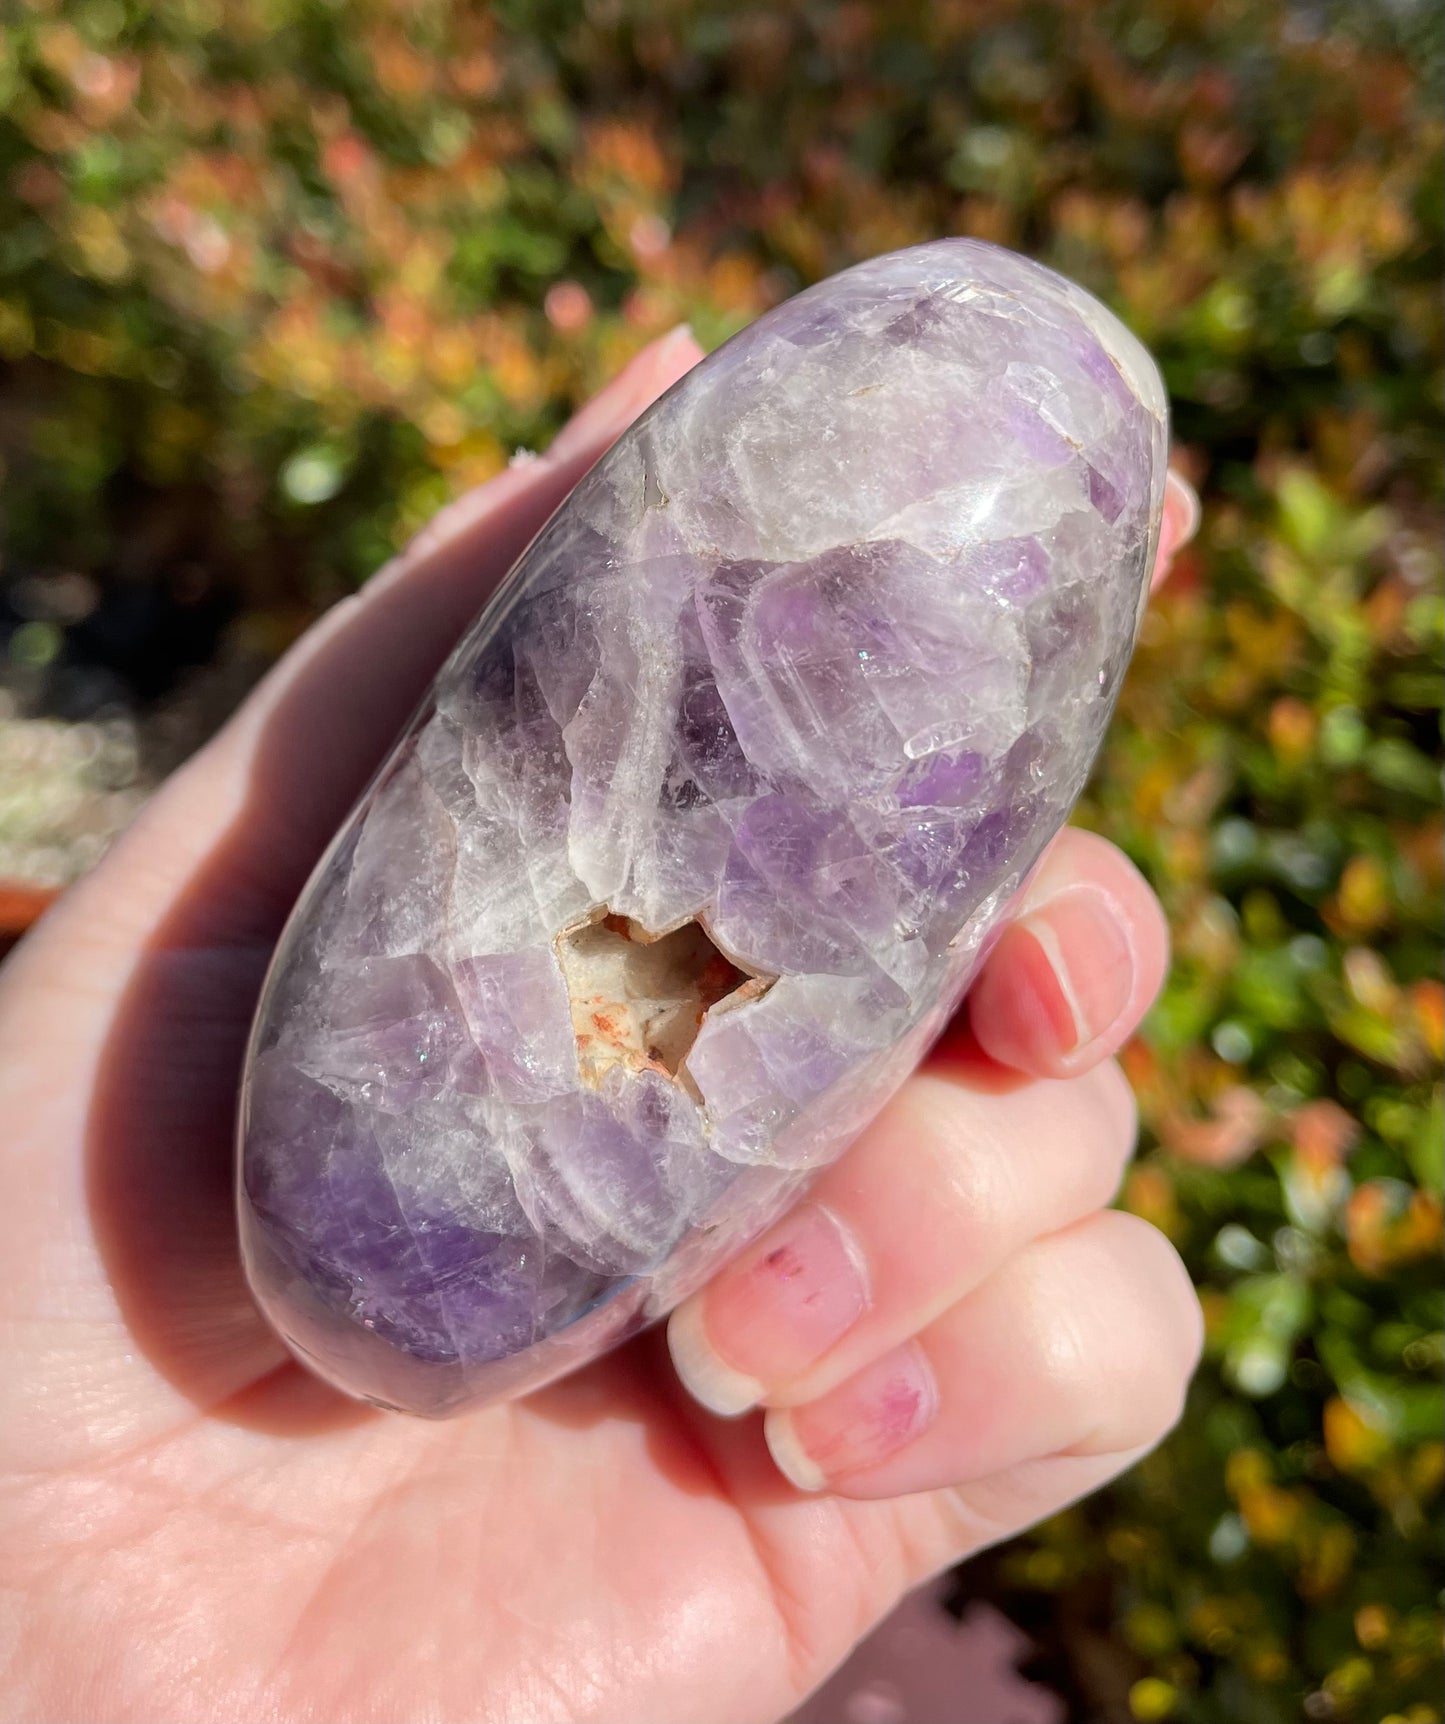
(702, 832)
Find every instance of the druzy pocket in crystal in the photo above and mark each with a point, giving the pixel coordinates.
(704, 827)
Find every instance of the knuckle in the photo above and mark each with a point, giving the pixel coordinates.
(1170, 1329)
(1102, 1111)
(1137, 1340)
(1118, 1107)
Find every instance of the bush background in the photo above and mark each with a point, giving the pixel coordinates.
(278, 277)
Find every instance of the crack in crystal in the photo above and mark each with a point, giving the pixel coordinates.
(639, 999)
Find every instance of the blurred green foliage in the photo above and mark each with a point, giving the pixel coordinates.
(277, 277)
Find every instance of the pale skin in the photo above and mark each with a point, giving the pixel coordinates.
(192, 1528)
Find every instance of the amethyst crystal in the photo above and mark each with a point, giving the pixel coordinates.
(702, 832)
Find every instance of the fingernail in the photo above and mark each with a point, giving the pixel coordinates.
(701, 1372)
(608, 414)
(675, 337)
(1186, 501)
(771, 1313)
(858, 1425)
(1082, 973)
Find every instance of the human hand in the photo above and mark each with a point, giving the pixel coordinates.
(953, 1337)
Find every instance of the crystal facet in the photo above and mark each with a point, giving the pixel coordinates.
(704, 828)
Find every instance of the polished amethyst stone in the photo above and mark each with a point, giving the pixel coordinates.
(703, 830)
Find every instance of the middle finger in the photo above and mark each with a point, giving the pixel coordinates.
(958, 1172)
